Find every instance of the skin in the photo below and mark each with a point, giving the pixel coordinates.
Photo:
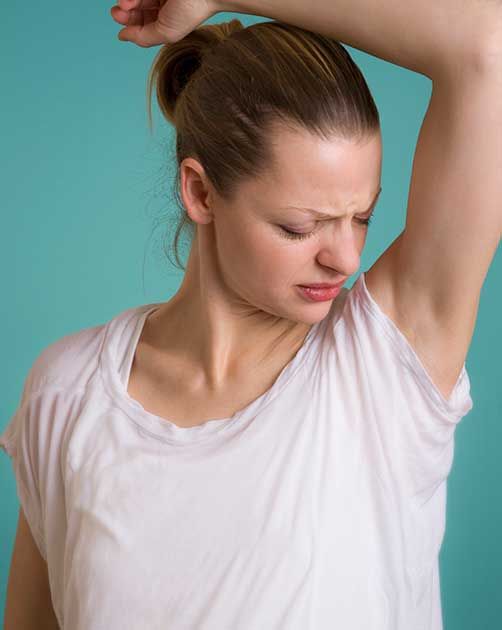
(238, 307)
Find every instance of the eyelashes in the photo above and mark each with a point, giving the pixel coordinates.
(303, 235)
(294, 235)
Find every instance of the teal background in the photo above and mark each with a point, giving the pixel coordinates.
(83, 186)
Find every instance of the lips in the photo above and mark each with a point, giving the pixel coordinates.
(322, 285)
(320, 295)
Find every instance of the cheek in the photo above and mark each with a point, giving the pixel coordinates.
(273, 261)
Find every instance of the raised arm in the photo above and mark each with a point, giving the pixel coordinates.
(421, 35)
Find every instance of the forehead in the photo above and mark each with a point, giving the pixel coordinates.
(322, 174)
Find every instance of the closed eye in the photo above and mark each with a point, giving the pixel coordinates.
(302, 235)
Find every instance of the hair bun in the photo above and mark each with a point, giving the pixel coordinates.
(176, 63)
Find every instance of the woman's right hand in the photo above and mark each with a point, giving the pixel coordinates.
(154, 22)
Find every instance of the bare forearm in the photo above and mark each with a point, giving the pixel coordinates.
(422, 35)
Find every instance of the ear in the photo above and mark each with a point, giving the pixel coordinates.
(196, 191)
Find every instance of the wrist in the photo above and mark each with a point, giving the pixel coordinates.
(239, 6)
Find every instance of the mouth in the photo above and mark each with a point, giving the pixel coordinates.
(320, 294)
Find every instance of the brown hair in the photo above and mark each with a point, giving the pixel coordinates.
(222, 86)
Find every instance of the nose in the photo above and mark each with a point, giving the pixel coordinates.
(340, 252)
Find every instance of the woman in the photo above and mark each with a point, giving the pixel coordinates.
(252, 453)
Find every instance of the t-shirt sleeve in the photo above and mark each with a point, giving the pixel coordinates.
(415, 421)
(450, 410)
(38, 438)
(20, 441)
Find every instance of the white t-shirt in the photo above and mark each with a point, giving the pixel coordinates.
(320, 505)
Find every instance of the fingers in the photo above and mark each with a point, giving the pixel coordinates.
(134, 16)
(139, 22)
(131, 11)
(119, 15)
(145, 35)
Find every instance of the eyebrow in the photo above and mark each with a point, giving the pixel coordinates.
(323, 215)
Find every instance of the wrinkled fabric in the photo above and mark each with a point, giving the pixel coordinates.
(319, 506)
